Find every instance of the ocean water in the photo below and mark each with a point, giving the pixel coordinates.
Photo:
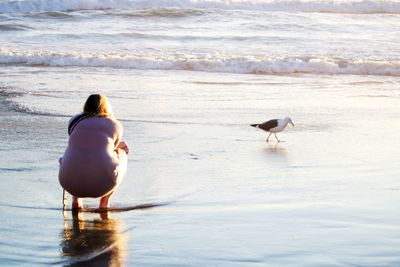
(186, 78)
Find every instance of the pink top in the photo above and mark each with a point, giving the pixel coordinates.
(93, 165)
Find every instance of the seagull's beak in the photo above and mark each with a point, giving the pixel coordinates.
(291, 123)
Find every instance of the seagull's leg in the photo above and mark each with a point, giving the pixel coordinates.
(277, 138)
(268, 137)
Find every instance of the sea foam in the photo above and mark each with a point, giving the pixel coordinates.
(250, 64)
(329, 6)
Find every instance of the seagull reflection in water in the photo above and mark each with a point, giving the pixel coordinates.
(276, 153)
(96, 242)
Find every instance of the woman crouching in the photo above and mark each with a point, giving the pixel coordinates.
(95, 160)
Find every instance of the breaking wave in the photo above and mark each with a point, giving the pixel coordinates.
(329, 6)
(250, 64)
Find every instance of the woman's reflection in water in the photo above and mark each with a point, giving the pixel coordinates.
(94, 242)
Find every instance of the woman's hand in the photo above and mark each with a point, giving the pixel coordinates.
(122, 145)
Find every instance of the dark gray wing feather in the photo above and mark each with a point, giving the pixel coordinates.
(268, 125)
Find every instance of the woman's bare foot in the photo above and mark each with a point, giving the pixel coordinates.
(104, 201)
(76, 203)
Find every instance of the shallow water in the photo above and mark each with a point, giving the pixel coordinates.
(326, 196)
(187, 79)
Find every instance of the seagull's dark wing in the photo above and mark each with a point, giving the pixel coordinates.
(266, 126)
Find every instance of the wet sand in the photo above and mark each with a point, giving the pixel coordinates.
(326, 196)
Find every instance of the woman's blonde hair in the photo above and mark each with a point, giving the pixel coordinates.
(97, 105)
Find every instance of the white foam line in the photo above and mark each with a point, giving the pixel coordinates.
(251, 64)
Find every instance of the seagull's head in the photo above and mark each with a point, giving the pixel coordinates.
(289, 120)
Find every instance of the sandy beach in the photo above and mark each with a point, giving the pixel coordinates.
(186, 79)
(326, 196)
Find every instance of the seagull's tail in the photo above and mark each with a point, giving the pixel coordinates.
(254, 125)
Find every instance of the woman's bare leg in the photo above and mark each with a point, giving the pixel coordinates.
(76, 203)
(104, 201)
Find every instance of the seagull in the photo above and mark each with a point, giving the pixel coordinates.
(274, 126)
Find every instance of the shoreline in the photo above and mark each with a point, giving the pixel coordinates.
(234, 198)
